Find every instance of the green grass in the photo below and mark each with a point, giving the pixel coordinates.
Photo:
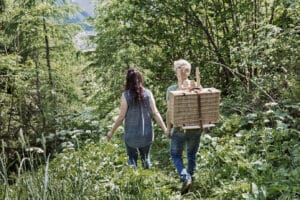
(240, 159)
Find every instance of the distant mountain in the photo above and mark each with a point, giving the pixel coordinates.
(79, 17)
(86, 5)
(83, 40)
(86, 12)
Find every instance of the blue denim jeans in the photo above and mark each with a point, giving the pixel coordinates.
(179, 140)
(144, 154)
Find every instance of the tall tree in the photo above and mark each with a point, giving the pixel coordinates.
(36, 55)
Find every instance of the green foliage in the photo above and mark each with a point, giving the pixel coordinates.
(96, 171)
(247, 157)
(242, 48)
(248, 49)
(37, 66)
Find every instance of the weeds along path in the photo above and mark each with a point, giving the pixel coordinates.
(243, 158)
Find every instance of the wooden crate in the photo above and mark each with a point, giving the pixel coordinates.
(194, 109)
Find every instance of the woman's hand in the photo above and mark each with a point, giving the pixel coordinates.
(167, 133)
(109, 135)
(119, 120)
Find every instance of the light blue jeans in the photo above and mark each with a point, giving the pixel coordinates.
(144, 154)
(179, 140)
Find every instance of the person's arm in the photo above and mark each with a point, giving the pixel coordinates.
(168, 133)
(119, 120)
(156, 114)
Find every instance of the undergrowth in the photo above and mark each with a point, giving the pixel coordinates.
(256, 156)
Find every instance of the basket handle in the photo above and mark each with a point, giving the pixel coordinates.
(178, 73)
(198, 77)
(199, 106)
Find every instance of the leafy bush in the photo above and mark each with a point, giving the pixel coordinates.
(246, 157)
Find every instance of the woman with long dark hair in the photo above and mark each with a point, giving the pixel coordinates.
(137, 105)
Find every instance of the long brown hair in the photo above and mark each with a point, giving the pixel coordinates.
(134, 83)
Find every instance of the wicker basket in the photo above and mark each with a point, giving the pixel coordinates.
(194, 109)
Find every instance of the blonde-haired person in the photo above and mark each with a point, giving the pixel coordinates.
(184, 67)
(189, 139)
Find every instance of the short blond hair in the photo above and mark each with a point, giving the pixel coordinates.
(183, 65)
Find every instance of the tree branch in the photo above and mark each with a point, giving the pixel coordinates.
(237, 74)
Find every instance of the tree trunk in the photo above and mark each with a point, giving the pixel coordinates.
(51, 120)
(37, 84)
(272, 12)
(47, 53)
(10, 113)
(234, 20)
(2, 6)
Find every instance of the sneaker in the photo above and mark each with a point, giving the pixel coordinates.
(146, 164)
(186, 186)
(193, 178)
